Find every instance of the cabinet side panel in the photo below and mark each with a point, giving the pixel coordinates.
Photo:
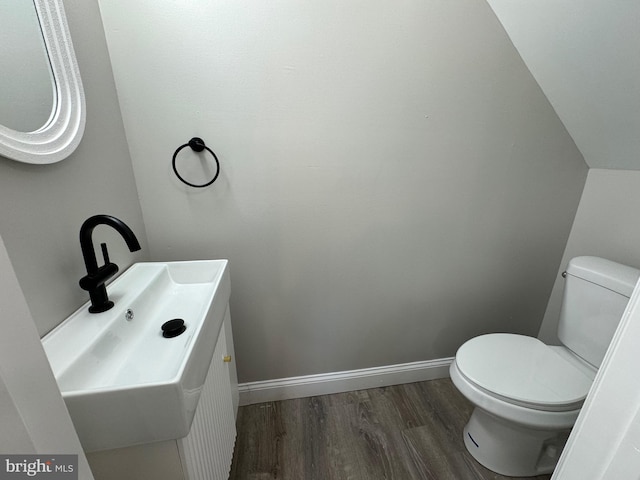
(233, 374)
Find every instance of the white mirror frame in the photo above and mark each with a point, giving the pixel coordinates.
(60, 136)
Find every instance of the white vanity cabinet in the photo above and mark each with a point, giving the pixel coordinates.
(206, 452)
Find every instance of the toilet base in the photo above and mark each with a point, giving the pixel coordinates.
(511, 449)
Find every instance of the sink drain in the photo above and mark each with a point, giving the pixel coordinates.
(173, 328)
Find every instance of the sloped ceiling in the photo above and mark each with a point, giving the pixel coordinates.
(586, 58)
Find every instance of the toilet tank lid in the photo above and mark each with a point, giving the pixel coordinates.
(614, 276)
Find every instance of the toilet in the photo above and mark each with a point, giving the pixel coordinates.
(527, 395)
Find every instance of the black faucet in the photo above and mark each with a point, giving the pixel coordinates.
(96, 276)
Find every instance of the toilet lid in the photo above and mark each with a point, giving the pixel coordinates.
(524, 371)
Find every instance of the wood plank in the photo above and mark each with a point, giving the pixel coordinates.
(403, 432)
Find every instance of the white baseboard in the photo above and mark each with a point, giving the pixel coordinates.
(335, 382)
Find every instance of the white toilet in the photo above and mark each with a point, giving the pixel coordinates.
(527, 395)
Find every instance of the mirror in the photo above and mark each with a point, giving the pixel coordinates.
(27, 97)
(42, 118)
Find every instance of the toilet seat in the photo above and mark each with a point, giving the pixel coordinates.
(523, 371)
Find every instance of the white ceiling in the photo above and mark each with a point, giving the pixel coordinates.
(586, 57)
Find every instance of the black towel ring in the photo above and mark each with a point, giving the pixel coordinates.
(197, 145)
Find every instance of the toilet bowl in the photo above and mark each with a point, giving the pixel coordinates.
(528, 395)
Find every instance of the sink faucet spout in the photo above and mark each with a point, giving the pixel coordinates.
(94, 281)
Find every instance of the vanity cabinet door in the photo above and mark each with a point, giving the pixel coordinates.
(208, 449)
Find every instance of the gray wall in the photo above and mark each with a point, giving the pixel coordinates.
(393, 180)
(605, 226)
(43, 206)
(586, 62)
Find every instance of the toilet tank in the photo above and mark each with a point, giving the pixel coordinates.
(596, 292)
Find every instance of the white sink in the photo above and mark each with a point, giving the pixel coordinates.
(122, 381)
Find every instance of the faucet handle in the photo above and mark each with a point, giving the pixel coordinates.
(105, 253)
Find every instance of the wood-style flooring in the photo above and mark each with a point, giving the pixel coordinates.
(403, 432)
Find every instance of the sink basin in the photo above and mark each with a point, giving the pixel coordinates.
(124, 383)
